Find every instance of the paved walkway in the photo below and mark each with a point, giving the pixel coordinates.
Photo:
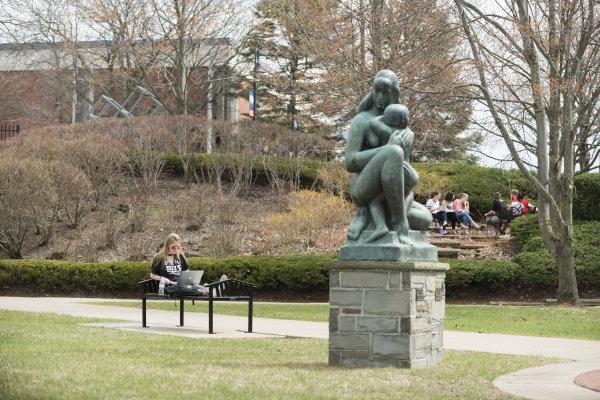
(548, 382)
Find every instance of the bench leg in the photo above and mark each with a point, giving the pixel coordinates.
(250, 315)
(180, 312)
(210, 316)
(143, 312)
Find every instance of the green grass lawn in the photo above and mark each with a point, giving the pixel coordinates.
(47, 356)
(551, 321)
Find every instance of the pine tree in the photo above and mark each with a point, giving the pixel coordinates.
(284, 68)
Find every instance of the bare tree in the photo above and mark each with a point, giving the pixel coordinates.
(49, 36)
(350, 40)
(168, 46)
(536, 64)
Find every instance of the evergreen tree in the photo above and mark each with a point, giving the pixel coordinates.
(284, 68)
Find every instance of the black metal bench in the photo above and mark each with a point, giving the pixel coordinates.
(226, 290)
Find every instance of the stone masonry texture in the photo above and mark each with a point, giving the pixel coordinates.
(376, 318)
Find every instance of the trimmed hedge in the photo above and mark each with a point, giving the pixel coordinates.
(261, 165)
(300, 273)
(539, 268)
(525, 229)
(294, 274)
(482, 276)
(587, 191)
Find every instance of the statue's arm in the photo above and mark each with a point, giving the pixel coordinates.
(382, 130)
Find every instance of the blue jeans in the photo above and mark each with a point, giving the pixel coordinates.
(464, 217)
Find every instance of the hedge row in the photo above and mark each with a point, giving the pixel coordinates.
(301, 273)
(305, 168)
(480, 182)
(292, 274)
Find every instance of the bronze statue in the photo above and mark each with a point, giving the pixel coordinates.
(377, 153)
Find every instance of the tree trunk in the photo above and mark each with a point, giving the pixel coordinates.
(567, 283)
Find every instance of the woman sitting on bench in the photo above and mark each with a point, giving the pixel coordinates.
(168, 263)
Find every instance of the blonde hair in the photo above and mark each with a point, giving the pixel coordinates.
(163, 252)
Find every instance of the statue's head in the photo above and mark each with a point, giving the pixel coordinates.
(385, 91)
(396, 115)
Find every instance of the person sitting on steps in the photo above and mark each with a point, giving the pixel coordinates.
(527, 206)
(446, 205)
(433, 205)
(500, 216)
(461, 207)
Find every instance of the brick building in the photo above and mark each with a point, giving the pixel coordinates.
(49, 83)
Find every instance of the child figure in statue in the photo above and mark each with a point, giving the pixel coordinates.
(391, 128)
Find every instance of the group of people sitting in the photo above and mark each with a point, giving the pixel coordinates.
(501, 214)
(454, 211)
(451, 211)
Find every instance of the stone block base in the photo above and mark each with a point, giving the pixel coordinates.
(386, 313)
(389, 248)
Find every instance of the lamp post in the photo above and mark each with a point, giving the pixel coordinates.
(254, 91)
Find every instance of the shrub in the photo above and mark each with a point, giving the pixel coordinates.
(289, 273)
(525, 228)
(50, 276)
(430, 181)
(28, 200)
(587, 191)
(308, 215)
(73, 188)
(285, 168)
(224, 236)
(303, 273)
(101, 158)
(482, 276)
(334, 178)
(293, 272)
(539, 268)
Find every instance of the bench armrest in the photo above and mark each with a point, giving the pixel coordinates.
(148, 286)
(231, 288)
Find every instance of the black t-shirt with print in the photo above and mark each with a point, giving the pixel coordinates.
(169, 270)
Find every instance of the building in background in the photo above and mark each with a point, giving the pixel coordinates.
(50, 83)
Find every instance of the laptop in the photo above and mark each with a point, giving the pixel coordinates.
(189, 278)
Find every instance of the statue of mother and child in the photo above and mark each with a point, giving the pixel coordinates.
(377, 153)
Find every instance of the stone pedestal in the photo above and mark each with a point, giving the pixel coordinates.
(386, 313)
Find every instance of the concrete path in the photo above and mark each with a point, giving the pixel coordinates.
(547, 382)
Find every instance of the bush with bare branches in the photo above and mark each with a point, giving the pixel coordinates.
(297, 228)
(147, 141)
(334, 178)
(27, 201)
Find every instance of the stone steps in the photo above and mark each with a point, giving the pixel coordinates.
(471, 246)
(446, 243)
(446, 252)
(464, 236)
(455, 244)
